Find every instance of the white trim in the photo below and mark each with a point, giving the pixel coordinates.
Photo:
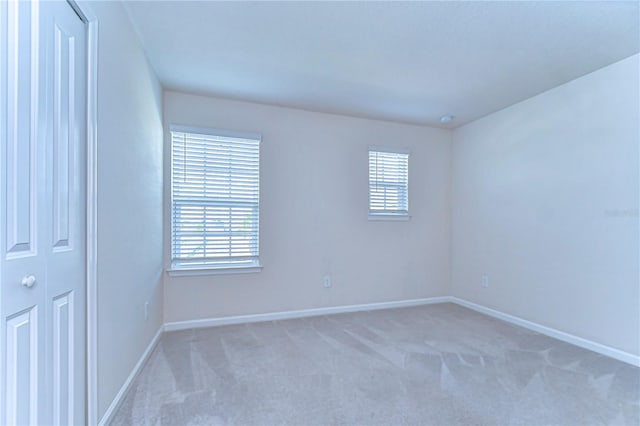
(215, 132)
(273, 316)
(389, 217)
(117, 400)
(547, 331)
(389, 149)
(92, 213)
(191, 272)
(552, 332)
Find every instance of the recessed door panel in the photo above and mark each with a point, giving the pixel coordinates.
(20, 160)
(22, 368)
(63, 125)
(63, 371)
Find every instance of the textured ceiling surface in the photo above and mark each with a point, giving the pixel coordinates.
(403, 61)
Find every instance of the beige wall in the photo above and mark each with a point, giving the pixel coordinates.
(545, 201)
(129, 200)
(313, 214)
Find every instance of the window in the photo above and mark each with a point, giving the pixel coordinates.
(388, 183)
(215, 184)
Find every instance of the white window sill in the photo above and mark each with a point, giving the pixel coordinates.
(390, 217)
(191, 272)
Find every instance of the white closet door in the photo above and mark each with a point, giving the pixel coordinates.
(42, 213)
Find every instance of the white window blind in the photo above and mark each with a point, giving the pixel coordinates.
(388, 182)
(215, 198)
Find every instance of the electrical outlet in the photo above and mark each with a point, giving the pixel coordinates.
(327, 281)
(484, 281)
(146, 311)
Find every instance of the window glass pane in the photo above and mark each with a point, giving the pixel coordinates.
(388, 182)
(215, 199)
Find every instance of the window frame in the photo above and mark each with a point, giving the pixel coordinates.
(213, 268)
(386, 215)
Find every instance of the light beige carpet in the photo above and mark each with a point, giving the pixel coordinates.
(432, 365)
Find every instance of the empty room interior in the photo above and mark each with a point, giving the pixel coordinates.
(319, 213)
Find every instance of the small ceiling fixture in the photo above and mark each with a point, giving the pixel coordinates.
(446, 119)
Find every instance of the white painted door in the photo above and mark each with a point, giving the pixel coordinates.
(42, 213)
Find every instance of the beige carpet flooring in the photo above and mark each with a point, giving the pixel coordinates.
(429, 365)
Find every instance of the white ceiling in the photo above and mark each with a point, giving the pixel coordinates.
(402, 61)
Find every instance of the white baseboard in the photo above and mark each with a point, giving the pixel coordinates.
(552, 332)
(273, 316)
(548, 331)
(117, 400)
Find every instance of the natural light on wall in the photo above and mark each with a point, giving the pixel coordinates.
(214, 198)
(388, 183)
